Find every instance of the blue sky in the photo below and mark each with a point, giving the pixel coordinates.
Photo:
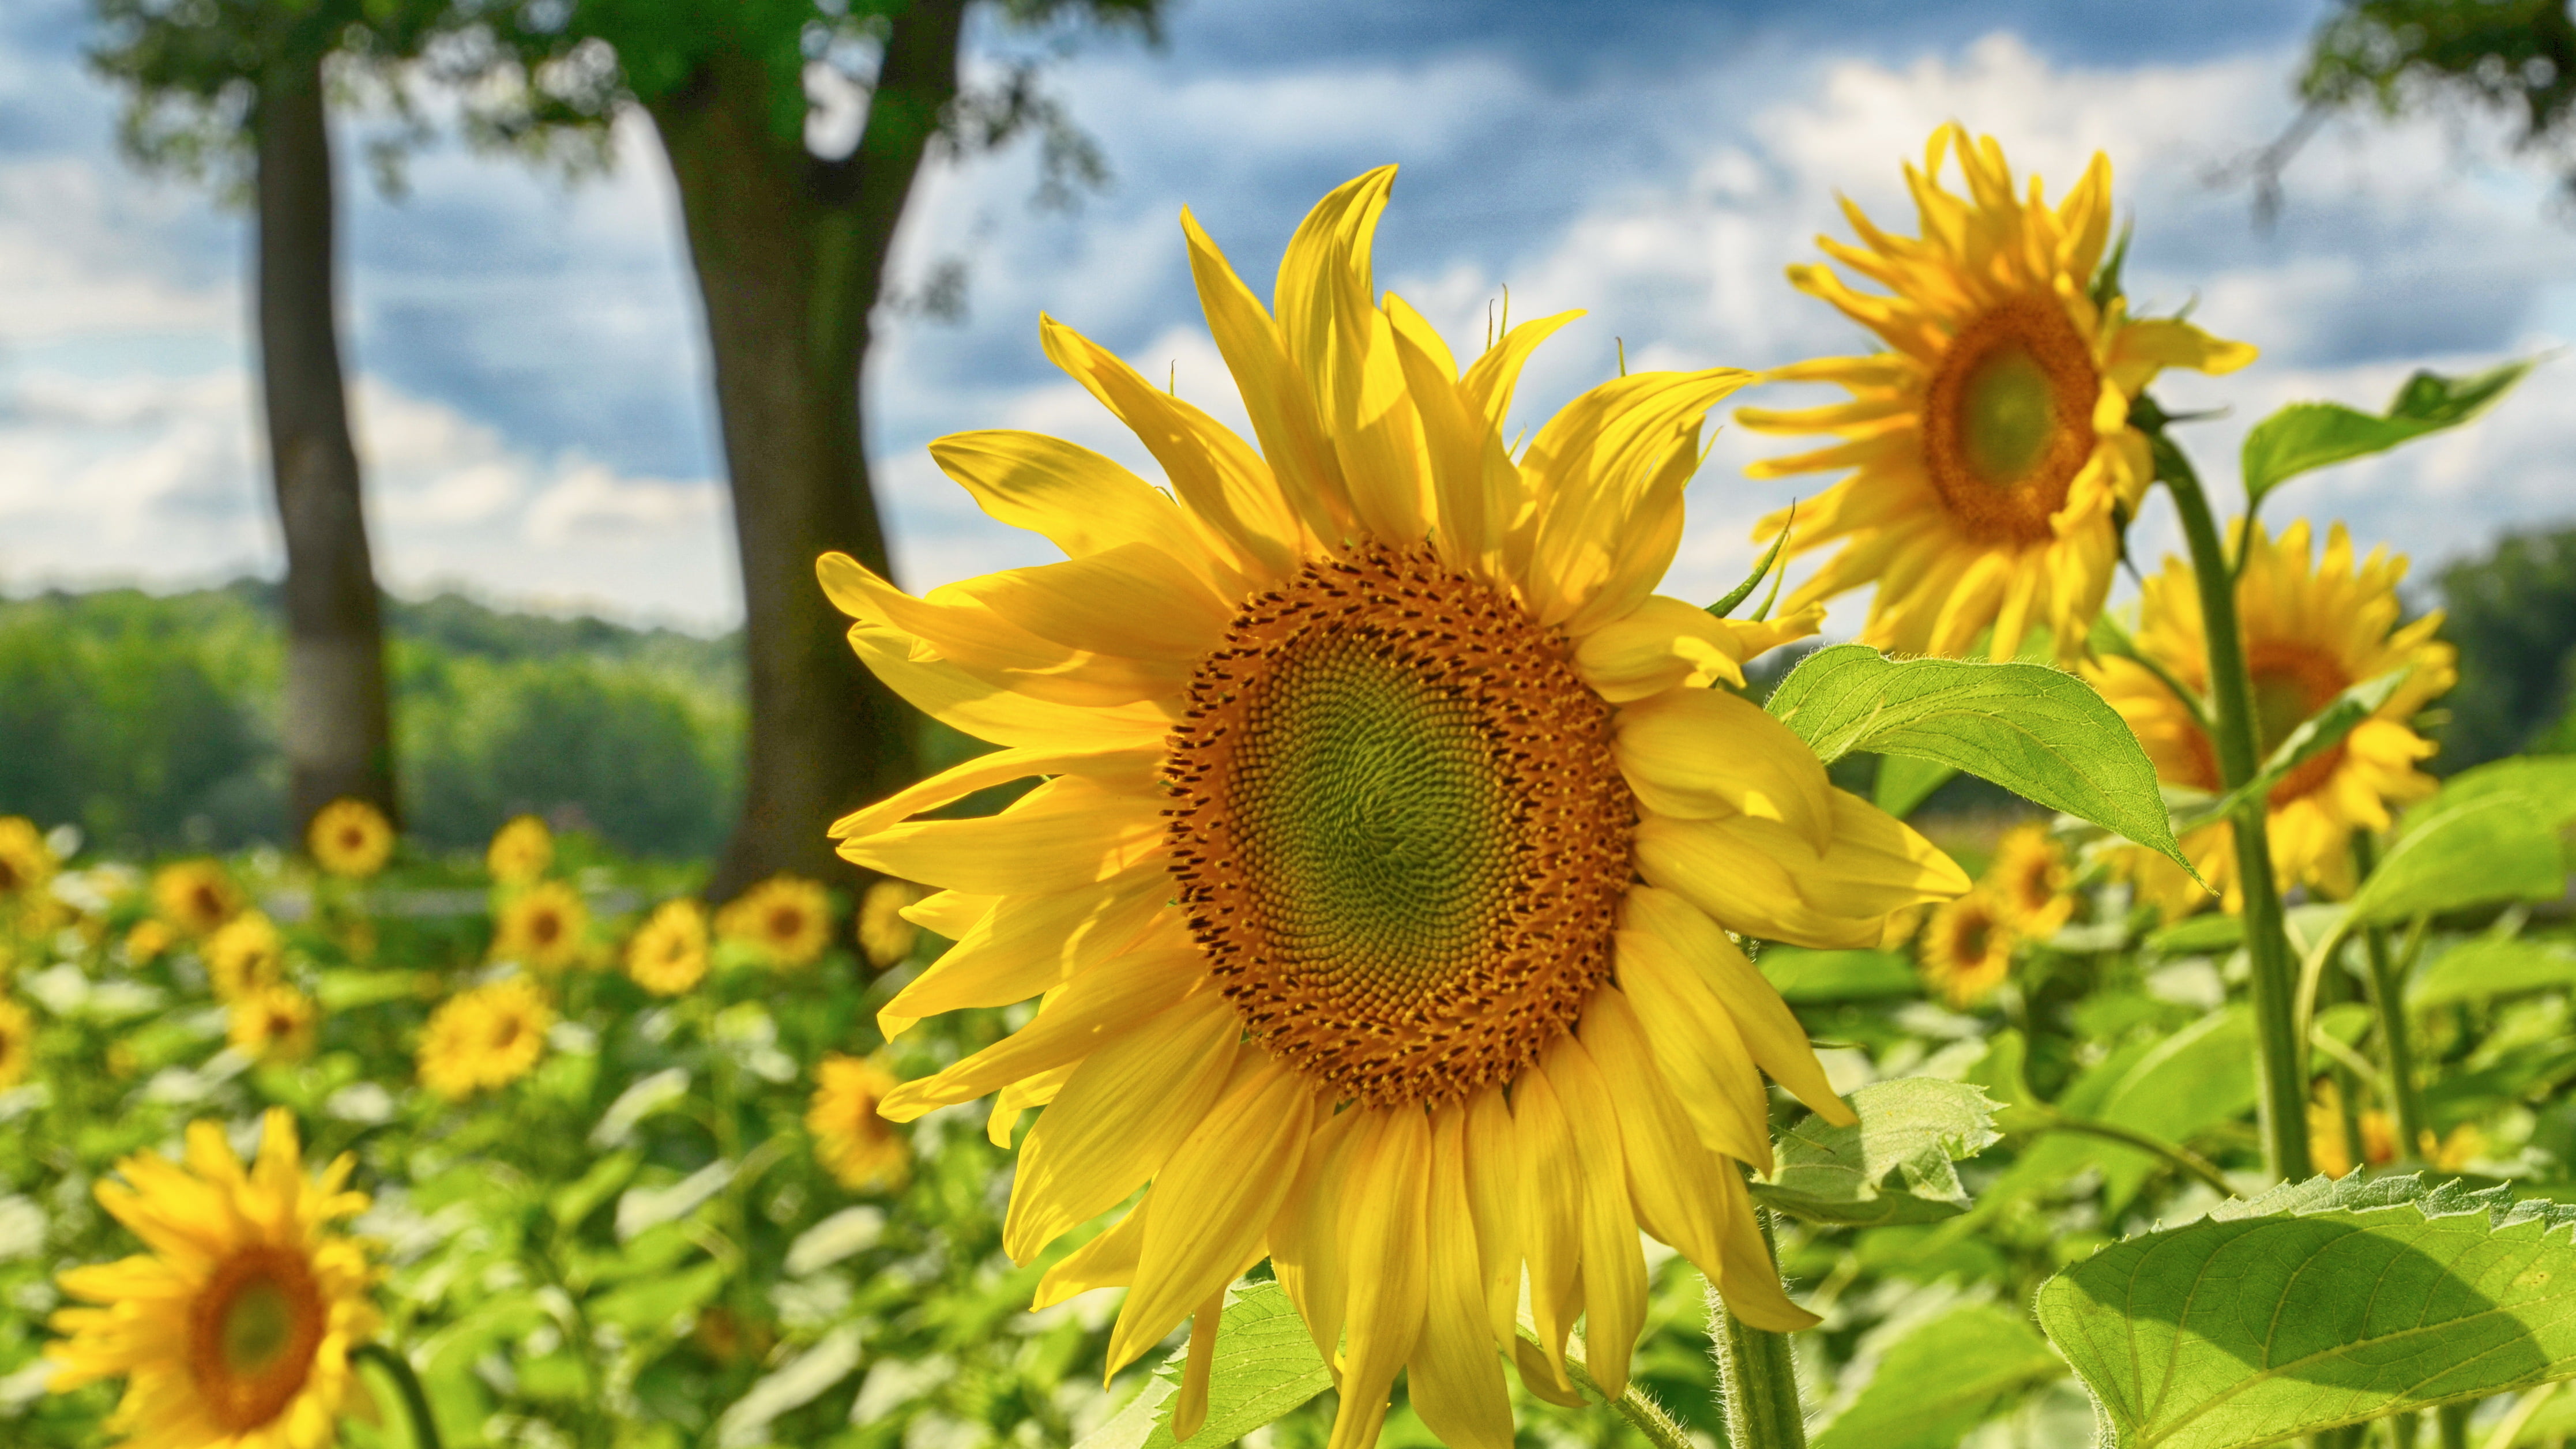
(531, 385)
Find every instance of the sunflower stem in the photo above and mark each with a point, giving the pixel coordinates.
(2388, 1000)
(1757, 1375)
(2284, 1099)
(424, 1425)
(1642, 1413)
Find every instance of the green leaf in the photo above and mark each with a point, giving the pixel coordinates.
(2043, 735)
(343, 990)
(2172, 1089)
(2329, 1302)
(578, 1199)
(1802, 975)
(1905, 782)
(647, 1304)
(2311, 435)
(2475, 970)
(1914, 1127)
(2315, 735)
(1952, 1373)
(1265, 1365)
(2545, 784)
(2472, 852)
(2197, 935)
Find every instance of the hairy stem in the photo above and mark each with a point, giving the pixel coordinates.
(1757, 1374)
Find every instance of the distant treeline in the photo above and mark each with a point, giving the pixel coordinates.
(152, 722)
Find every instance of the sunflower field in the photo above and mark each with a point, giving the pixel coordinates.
(1397, 979)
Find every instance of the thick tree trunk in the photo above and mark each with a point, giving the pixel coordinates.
(339, 737)
(790, 253)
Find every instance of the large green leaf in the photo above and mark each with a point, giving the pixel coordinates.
(2475, 970)
(2546, 784)
(1947, 1376)
(2041, 734)
(2477, 851)
(2310, 435)
(1912, 1127)
(1265, 1365)
(2329, 1302)
(1799, 974)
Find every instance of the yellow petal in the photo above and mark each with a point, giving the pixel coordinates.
(1082, 502)
(1494, 1197)
(1455, 1378)
(992, 711)
(1382, 1223)
(2172, 342)
(1703, 753)
(1068, 832)
(1107, 1261)
(1469, 510)
(962, 629)
(1750, 1282)
(1305, 1237)
(1551, 1216)
(1769, 1029)
(1697, 1047)
(1117, 996)
(1614, 1267)
(1491, 378)
(1134, 601)
(1190, 1409)
(1275, 396)
(1031, 944)
(997, 768)
(1662, 644)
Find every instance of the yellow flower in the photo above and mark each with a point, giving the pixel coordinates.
(195, 896)
(668, 954)
(488, 1036)
(148, 940)
(1989, 445)
(789, 918)
(17, 1043)
(273, 1023)
(1967, 947)
(2032, 885)
(884, 935)
(2311, 632)
(246, 953)
(350, 838)
(851, 1141)
(235, 1328)
(26, 862)
(542, 927)
(521, 851)
(1380, 885)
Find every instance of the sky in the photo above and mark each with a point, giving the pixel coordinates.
(531, 387)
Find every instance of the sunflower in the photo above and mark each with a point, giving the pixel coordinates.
(195, 896)
(885, 936)
(350, 838)
(521, 851)
(787, 917)
(244, 954)
(489, 1036)
(26, 862)
(668, 954)
(2031, 882)
(1380, 893)
(1967, 947)
(235, 1329)
(273, 1023)
(542, 927)
(17, 1043)
(1992, 462)
(2313, 628)
(851, 1141)
(148, 940)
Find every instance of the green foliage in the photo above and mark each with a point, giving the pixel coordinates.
(1265, 1365)
(2512, 616)
(2478, 970)
(1914, 1128)
(1905, 782)
(2305, 436)
(2329, 1302)
(2456, 852)
(2045, 735)
(2513, 56)
(1947, 1376)
(1799, 974)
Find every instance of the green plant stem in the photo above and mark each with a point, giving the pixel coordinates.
(1758, 1375)
(424, 1425)
(1642, 1413)
(2182, 1157)
(2284, 1099)
(2451, 1425)
(2388, 999)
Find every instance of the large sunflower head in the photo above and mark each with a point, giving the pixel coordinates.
(235, 1327)
(788, 918)
(350, 838)
(1990, 454)
(195, 896)
(545, 927)
(2313, 629)
(1381, 888)
(852, 1142)
(26, 862)
(17, 1043)
(488, 1036)
(244, 954)
(668, 953)
(273, 1023)
(521, 851)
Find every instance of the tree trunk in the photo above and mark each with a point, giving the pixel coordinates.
(339, 737)
(790, 253)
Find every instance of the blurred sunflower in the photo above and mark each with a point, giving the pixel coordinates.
(1355, 759)
(1967, 947)
(2032, 884)
(1990, 450)
(521, 852)
(26, 862)
(195, 896)
(788, 917)
(487, 1036)
(668, 953)
(17, 1043)
(148, 940)
(350, 838)
(852, 1142)
(245, 953)
(885, 936)
(543, 927)
(273, 1023)
(235, 1329)
(2313, 628)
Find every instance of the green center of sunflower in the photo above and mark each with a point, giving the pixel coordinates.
(252, 1333)
(2008, 419)
(2007, 414)
(1399, 830)
(257, 1326)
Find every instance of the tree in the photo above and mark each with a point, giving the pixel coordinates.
(233, 90)
(790, 250)
(2513, 616)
